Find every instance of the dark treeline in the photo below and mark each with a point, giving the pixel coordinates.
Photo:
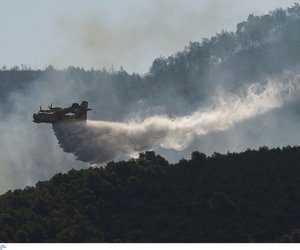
(251, 196)
(261, 46)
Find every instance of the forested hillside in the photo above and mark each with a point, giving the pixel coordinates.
(251, 196)
(261, 46)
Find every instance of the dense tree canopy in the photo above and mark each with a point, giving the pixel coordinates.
(239, 197)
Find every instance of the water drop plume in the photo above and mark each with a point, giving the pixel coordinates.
(101, 141)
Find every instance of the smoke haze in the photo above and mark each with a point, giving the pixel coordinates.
(153, 28)
(30, 152)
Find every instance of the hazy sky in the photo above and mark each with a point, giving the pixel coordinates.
(128, 33)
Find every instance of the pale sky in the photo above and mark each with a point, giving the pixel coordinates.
(101, 33)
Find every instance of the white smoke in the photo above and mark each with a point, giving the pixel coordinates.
(101, 141)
